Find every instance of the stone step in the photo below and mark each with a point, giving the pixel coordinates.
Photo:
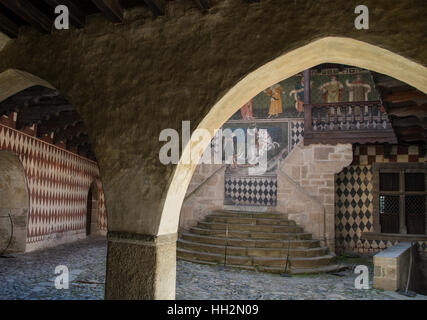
(251, 221)
(255, 241)
(255, 215)
(312, 262)
(251, 243)
(237, 234)
(306, 262)
(250, 227)
(277, 270)
(251, 252)
(323, 269)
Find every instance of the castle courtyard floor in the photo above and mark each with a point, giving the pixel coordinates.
(32, 276)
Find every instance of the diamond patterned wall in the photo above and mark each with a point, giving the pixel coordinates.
(251, 190)
(353, 199)
(297, 133)
(353, 205)
(58, 185)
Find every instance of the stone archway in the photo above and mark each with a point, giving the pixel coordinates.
(13, 81)
(327, 50)
(143, 92)
(14, 201)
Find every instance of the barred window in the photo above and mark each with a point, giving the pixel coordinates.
(389, 214)
(402, 200)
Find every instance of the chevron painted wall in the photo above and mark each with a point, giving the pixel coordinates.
(58, 184)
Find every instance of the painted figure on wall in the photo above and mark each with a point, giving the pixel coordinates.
(358, 90)
(246, 111)
(263, 143)
(332, 91)
(270, 141)
(276, 103)
(298, 94)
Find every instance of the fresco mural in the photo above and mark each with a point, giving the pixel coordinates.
(280, 110)
(286, 99)
(276, 144)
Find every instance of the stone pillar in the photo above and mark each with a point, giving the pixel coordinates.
(140, 267)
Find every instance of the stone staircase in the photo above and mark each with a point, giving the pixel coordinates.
(255, 241)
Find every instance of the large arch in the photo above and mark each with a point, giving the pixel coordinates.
(14, 203)
(326, 50)
(3, 40)
(204, 56)
(13, 81)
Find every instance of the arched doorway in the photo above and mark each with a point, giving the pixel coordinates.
(92, 213)
(14, 204)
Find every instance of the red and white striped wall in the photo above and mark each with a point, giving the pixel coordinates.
(58, 184)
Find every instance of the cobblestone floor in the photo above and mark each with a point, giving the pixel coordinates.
(31, 276)
(196, 281)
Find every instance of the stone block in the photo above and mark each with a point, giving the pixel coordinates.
(391, 267)
(335, 156)
(317, 182)
(385, 284)
(296, 174)
(322, 153)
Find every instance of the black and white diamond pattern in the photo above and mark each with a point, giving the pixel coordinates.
(353, 211)
(353, 206)
(297, 132)
(251, 190)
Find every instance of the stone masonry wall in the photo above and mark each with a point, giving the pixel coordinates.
(204, 195)
(306, 187)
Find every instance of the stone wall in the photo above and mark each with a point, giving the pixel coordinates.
(14, 202)
(204, 195)
(306, 190)
(132, 80)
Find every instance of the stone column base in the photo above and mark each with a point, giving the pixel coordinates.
(140, 267)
